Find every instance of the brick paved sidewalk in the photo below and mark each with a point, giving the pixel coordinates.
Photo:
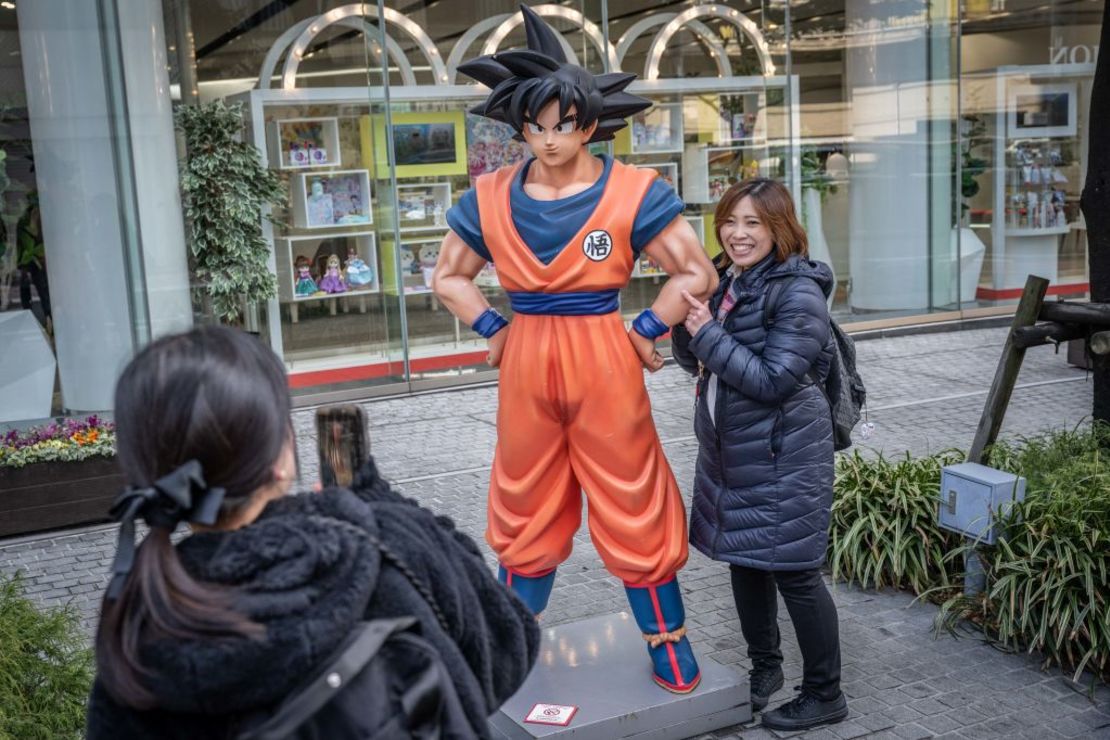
(925, 394)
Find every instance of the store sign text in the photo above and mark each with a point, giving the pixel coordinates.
(1078, 54)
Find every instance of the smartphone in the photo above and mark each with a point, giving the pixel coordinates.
(343, 442)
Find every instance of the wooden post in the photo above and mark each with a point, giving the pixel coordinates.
(1005, 376)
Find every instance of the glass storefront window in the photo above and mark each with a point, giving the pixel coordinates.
(92, 258)
(1025, 96)
(936, 153)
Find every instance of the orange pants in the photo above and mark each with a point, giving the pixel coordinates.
(574, 414)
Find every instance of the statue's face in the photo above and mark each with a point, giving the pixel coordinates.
(554, 140)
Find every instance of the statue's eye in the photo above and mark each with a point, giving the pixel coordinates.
(565, 127)
(533, 128)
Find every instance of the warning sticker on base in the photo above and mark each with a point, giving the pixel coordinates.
(551, 714)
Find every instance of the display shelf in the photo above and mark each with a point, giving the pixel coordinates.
(657, 130)
(739, 119)
(708, 171)
(313, 252)
(1056, 230)
(303, 143)
(646, 267)
(324, 200)
(668, 171)
(417, 261)
(1037, 137)
(423, 207)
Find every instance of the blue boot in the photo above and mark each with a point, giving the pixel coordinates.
(533, 590)
(660, 615)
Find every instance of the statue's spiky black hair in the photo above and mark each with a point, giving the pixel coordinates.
(523, 81)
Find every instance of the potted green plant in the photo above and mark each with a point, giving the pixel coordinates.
(59, 475)
(224, 189)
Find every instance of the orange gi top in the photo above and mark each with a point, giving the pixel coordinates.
(573, 412)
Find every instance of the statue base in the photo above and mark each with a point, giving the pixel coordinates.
(597, 673)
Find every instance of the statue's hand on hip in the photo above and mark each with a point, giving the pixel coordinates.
(645, 349)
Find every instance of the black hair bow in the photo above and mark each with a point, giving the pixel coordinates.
(180, 496)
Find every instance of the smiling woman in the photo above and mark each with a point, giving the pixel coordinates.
(763, 487)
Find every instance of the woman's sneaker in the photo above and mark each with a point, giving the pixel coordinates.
(764, 682)
(806, 711)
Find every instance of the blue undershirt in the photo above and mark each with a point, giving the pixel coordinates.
(547, 225)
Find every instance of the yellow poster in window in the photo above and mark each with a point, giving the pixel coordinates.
(424, 144)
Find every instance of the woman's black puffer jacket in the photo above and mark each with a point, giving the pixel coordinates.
(764, 476)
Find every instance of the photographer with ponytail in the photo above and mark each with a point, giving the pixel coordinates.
(207, 637)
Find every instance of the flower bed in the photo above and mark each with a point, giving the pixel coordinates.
(59, 475)
(68, 441)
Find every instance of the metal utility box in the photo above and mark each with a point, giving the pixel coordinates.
(973, 496)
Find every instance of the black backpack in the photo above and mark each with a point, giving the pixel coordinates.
(843, 387)
(383, 682)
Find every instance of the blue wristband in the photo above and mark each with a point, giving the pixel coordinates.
(648, 325)
(489, 323)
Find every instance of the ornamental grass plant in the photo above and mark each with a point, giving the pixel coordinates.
(64, 441)
(46, 669)
(1048, 577)
(884, 528)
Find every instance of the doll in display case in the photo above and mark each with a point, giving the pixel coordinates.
(332, 281)
(429, 253)
(359, 273)
(305, 285)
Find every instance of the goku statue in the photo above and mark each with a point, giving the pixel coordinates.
(564, 229)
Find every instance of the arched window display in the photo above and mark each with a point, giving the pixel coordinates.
(786, 90)
(415, 157)
(936, 156)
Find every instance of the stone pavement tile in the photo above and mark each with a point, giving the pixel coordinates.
(939, 723)
(929, 706)
(876, 722)
(1072, 727)
(911, 731)
(849, 729)
(901, 714)
(820, 733)
(1094, 718)
(919, 690)
(866, 705)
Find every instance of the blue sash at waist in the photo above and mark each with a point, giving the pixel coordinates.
(590, 303)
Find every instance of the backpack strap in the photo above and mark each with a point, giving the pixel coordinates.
(775, 289)
(350, 658)
(771, 301)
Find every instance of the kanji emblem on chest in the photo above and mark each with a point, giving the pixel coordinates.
(597, 245)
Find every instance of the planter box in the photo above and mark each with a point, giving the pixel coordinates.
(54, 495)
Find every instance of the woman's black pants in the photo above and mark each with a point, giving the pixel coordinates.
(811, 610)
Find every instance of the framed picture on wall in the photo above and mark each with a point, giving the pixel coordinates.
(299, 143)
(424, 144)
(657, 130)
(328, 199)
(737, 117)
(421, 207)
(1042, 110)
(490, 145)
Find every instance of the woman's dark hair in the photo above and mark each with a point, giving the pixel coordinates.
(218, 396)
(775, 208)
